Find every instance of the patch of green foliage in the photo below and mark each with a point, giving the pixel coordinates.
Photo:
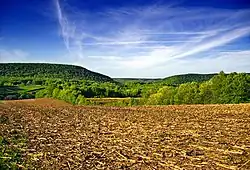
(11, 156)
(19, 89)
(113, 101)
(13, 144)
(19, 92)
(11, 149)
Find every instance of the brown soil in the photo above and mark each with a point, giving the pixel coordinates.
(61, 136)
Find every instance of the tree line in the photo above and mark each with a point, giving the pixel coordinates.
(221, 88)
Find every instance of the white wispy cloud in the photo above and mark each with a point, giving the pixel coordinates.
(234, 61)
(13, 55)
(217, 41)
(140, 39)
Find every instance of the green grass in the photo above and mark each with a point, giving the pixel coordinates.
(13, 143)
(31, 88)
(10, 153)
(19, 89)
(113, 101)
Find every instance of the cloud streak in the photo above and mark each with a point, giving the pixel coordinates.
(13, 55)
(66, 30)
(149, 37)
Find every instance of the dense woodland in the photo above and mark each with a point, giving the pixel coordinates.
(186, 78)
(44, 70)
(222, 88)
(21, 83)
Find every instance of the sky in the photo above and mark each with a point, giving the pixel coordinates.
(132, 38)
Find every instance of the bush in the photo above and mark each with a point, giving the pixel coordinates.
(41, 93)
(1, 97)
(81, 100)
(11, 97)
(26, 96)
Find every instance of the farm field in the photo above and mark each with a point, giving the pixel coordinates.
(50, 134)
(18, 89)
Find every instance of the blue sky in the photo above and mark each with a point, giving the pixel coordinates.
(137, 38)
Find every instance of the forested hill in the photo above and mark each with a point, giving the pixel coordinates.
(172, 80)
(141, 80)
(45, 70)
(185, 78)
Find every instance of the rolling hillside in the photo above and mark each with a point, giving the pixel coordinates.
(141, 80)
(45, 70)
(185, 78)
(173, 80)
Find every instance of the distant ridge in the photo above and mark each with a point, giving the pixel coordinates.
(142, 80)
(64, 71)
(172, 80)
(46, 70)
(185, 78)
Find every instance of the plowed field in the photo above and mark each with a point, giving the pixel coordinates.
(61, 136)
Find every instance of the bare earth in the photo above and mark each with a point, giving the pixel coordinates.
(61, 136)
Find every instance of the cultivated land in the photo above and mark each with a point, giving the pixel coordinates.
(50, 134)
(19, 89)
